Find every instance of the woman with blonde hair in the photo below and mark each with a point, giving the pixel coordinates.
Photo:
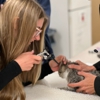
(22, 27)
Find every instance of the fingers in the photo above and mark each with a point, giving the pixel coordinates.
(73, 85)
(78, 61)
(80, 89)
(81, 83)
(81, 63)
(85, 90)
(32, 51)
(74, 66)
(62, 58)
(34, 57)
(54, 68)
(77, 67)
(82, 73)
(65, 60)
(37, 59)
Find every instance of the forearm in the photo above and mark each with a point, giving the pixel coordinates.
(45, 70)
(97, 65)
(97, 79)
(97, 85)
(8, 73)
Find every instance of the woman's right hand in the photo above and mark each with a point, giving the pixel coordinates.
(82, 66)
(27, 59)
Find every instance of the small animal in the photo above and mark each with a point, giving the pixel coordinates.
(71, 75)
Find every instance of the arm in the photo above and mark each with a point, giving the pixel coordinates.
(97, 79)
(97, 85)
(97, 65)
(45, 70)
(8, 73)
(23, 62)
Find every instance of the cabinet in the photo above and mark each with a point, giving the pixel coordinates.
(95, 21)
(72, 20)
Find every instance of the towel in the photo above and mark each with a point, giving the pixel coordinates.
(49, 89)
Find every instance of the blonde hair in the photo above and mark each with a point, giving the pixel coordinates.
(14, 42)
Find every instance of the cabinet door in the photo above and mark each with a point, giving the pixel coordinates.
(95, 21)
(80, 30)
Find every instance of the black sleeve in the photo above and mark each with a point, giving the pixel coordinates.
(97, 65)
(8, 73)
(97, 85)
(45, 70)
(2, 1)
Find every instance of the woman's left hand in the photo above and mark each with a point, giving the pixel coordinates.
(86, 85)
(54, 66)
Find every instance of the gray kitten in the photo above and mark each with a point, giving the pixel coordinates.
(71, 74)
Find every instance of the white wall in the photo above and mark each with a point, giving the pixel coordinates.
(65, 18)
(59, 21)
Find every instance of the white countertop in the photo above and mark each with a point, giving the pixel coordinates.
(87, 57)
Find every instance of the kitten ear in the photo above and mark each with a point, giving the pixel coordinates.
(60, 64)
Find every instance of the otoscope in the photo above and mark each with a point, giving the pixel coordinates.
(47, 56)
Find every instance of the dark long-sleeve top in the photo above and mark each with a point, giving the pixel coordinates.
(2, 1)
(13, 69)
(47, 8)
(97, 80)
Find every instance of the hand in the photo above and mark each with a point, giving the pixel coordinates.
(86, 85)
(27, 59)
(82, 66)
(54, 66)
